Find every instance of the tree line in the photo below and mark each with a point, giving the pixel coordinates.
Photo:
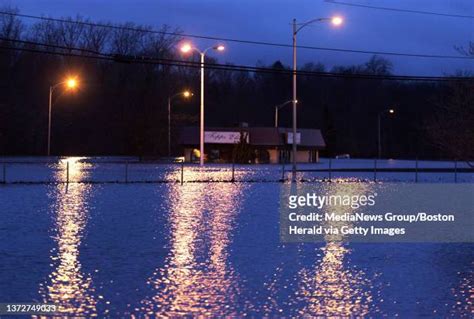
(120, 107)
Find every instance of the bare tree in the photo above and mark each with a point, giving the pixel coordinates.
(45, 32)
(95, 38)
(469, 50)
(451, 129)
(127, 39)
(71, 32)
(10, 26)
(378, 65)
(161, 43)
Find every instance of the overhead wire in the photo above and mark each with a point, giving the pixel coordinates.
(32, 47)
(224, 39)
(451, 15)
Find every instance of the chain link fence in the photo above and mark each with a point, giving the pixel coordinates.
(85, 170)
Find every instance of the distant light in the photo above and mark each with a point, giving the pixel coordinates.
(185, 48)
(220, 48)
(337, 21)
(391, 111)
(187, 94)
(71, 83)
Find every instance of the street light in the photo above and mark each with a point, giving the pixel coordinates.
(71, 84)
(277, 107)
(185, 94)
(186, 48)
(336, 21)
(379, 141)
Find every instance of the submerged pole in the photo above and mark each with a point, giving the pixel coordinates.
(330, 169)
(67, 172)
(126, 172)
(233, 171)
(283, 171)
(416, 170)
(455, 171)
(182, 172)
(375, 170)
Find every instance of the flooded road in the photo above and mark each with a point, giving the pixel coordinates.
(212, 249)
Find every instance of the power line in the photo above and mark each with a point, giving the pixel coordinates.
(400, 10)
(241, 41)
(214, 66)
(54, 46)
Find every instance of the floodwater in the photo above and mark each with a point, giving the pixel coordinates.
(210, 249)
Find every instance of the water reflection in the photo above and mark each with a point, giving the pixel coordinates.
(333, 287)
(198, 278)
(68, 287)
(464, 296)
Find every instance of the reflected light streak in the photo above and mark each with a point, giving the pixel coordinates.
(68, 287)
(333, 288)
(464, 296)
(197, 279)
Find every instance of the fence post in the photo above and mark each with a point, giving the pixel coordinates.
(375, 169)
(283, 171)
(416, 170)
(455, 171)
(182, 172)
(233, 173)
(126, 172)
(330, 169)
(67, 172)
(4, 174)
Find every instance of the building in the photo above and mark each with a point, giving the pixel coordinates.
(268, 144)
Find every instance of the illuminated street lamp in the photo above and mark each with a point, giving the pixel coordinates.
(70, 84)
(186, 48)
(336, 21)
(379, 141)
(184, 94)
(277, 107)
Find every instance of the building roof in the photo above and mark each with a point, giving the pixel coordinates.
(259, 136)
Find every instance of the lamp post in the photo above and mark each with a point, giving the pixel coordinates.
(379, 141)
(185, 49)
(185, 94)
(71, 84)
(296, 28)
(277, 107)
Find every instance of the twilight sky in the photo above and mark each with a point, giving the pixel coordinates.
(269, 20)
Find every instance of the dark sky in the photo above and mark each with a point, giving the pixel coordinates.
(269, 20)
